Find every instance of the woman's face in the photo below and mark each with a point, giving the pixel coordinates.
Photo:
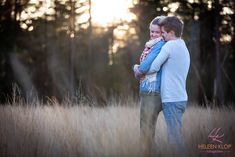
(155, 32)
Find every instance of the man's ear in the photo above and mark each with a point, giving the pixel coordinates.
(172, 33)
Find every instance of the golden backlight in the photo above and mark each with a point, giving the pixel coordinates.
(104, 13)
(108, 12)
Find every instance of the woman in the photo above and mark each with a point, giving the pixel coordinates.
(149, 86)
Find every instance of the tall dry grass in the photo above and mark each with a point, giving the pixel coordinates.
(113, 131)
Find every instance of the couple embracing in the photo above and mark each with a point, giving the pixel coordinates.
(162, 73)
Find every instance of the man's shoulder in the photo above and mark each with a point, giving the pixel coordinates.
(167, 45)
(173, 43)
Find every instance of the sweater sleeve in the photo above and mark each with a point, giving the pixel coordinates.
(146, 63)
(159, 60)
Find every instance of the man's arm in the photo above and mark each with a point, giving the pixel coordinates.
(146, 63)
(159, 60)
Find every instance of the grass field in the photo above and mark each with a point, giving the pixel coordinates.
(113, 131)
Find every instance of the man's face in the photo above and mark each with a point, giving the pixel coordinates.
(155, 32)
(166, 35)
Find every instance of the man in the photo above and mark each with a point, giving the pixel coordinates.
(174, 59)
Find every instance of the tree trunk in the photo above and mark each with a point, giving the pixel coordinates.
(72, 50)
(218, 84)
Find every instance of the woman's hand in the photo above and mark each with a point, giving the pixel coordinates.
(138, 74)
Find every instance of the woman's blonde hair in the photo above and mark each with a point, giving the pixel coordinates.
(157, 20)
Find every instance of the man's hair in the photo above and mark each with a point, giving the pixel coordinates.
(173, 23)
(156, 21)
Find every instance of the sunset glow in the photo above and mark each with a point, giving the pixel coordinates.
(107, 12)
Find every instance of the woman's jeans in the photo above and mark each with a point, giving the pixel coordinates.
(173, 113)
(149, 110)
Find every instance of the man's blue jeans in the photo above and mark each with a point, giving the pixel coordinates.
(173, 113)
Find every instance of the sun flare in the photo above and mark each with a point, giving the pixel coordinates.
(107, 12)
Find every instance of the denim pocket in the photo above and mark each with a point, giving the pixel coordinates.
(181, 106)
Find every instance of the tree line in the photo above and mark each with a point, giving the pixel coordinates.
(58, 54)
